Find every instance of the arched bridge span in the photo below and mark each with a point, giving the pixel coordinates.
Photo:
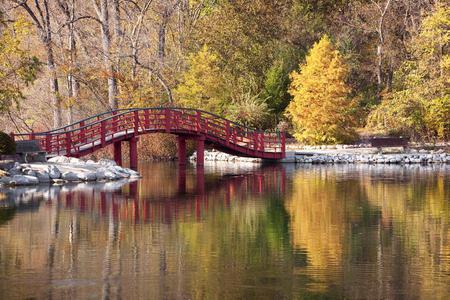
(114, 127)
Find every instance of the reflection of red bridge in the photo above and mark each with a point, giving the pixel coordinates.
(91, 134)
(183, 206)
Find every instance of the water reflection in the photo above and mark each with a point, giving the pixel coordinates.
(232, 232)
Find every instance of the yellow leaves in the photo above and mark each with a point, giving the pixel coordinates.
(321, 109)
(17, 67)
(419, 104)
(203, 83)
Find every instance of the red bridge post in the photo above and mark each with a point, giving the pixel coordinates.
(181, 150)
(133, 153)
(118, 153)
(200, 151)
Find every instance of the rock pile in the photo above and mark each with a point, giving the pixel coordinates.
(62, 169)
(220, 156)
(336, 158)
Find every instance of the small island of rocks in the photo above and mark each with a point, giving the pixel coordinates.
(61, 169)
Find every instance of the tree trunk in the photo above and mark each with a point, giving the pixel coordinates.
(118, 34)
(54, 88)
(161, 43)
(72, 89)
(380, 46)
(106, 45)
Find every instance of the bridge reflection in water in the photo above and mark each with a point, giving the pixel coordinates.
(132, 202)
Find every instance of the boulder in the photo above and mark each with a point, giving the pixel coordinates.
(43, 176)
(107, 162)
(60, 159)
(23, 180)
(54, 172)
(15, 170)
(70, 176)
(119, 171)
(87, 176)
(76, 161)
(6, 164)
(29, 171)
(100, 174)
(106, 174)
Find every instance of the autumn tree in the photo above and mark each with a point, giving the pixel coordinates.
(419, 104)
(321, 110)
(203, 83)
(17, 67)
(40, 14)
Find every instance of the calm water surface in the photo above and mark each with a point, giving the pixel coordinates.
(311, 232)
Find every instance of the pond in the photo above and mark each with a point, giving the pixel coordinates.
(232, 231)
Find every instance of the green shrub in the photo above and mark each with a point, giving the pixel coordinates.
(7, 144)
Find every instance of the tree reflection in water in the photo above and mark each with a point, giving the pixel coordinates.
(275, 231)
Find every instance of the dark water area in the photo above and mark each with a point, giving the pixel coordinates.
(232, 232)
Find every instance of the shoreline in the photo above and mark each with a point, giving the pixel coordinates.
(347, 156)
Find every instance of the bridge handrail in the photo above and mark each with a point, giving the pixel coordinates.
(128, 110)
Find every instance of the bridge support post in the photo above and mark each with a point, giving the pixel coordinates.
(133, 153)
(200, 151)
(118, 153)
(181, 150)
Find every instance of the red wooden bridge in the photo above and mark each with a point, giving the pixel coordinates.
(114, 127)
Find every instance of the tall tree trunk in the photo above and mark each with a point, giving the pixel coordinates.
(161, 43)
(43, 25)
(118, 33)
(72, 88)
(106, 47)
(54, 87)
(380, 54)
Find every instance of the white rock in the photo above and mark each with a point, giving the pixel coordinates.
(24, 180)
(43, 176)
(111, 175)
(76, 161)
(16, 170)
(59, 159)
(5, 179)
(106, 174)
(54, 172)
(70, 176)
(100, 174)
(29, 172)
(119, 171)
(107, 162)
(87, 176)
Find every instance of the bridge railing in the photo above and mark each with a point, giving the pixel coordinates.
(100, 132)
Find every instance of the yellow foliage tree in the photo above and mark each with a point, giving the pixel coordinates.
(419, 105)
(17, 67)
(203, 84)
(321, 110)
